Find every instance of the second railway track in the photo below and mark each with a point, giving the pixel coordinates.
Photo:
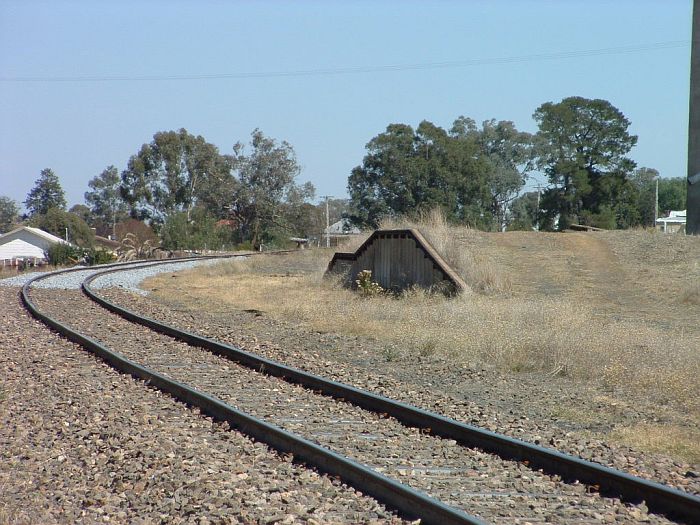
(476, 482)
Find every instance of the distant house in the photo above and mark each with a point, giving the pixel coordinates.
(107, 244)
(674, 223)
(338, 231)
(26, 245)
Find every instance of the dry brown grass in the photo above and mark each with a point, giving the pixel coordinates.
(691, 296)
(551, 335)
(603, 308)
(679, 441)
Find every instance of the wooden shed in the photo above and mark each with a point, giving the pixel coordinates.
(398, 259)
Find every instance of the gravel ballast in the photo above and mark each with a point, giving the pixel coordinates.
(477, 482)
(130, 280)
(520, 406)
(427, 382)
(80, 443)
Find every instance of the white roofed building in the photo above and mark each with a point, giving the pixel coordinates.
(27, 244)
(674, 223)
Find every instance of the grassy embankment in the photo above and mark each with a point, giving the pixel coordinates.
(618, 309)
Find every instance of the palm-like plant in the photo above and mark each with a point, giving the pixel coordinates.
(132, 248)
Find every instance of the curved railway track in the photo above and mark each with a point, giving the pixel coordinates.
(323, 423)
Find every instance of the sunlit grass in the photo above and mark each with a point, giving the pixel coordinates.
(563, 324)
(516, 334)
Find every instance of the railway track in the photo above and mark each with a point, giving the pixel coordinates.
(421, 464)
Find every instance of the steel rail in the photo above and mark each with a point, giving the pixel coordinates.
(659, 498)
(408, 502)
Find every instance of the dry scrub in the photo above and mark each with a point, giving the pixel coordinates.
(554, 335)
(618, 310)
(678, 441)
(449, 241)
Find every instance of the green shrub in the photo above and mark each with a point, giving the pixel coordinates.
(245, 246)
(97, 256)
(61, 254)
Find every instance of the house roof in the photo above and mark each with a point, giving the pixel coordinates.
(35, 231)
(674, 217)
(342, 227)
(107, 243)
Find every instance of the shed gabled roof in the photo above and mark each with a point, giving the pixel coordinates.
(421, 244)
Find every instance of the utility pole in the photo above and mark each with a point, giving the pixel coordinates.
(656, 202)
(328, 221)
(537, 211)
(693, 197)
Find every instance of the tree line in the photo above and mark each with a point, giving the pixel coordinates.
(188, 193)
(476, 173)
(184, 190)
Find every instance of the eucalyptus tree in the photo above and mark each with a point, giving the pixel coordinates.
(506, 158)
(173, 173)
(672, 194)
(9, 213)
(265, 187)
(470, 173)
(107, 207)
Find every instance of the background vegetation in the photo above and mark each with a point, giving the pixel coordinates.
(192, 196)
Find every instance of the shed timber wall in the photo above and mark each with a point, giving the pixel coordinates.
(398, 259)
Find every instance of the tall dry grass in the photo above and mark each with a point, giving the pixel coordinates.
(449, 241)
(517, 334)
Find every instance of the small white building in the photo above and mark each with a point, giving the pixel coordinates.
(674, 223)
(26, 244)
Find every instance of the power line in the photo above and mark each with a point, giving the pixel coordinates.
(366, 69)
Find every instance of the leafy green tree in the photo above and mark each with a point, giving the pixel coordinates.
(522, 213)
(672, 194)
(105, 202)
(301, 217)
(264, 188)
(644, 184)
(47, 193)
(196, 232)
(581, 146)
(407, 171)
(384, 183)
(57, 221)
(470, 173)
(82, 211)
(175, 172)
(507, 158)
(9, 213)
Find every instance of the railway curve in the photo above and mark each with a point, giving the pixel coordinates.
(659, 498)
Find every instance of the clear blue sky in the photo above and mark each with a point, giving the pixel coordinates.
(79, 127)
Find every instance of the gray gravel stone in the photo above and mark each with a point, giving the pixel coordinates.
(127, 280)
(477, 482)
(80, 443)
